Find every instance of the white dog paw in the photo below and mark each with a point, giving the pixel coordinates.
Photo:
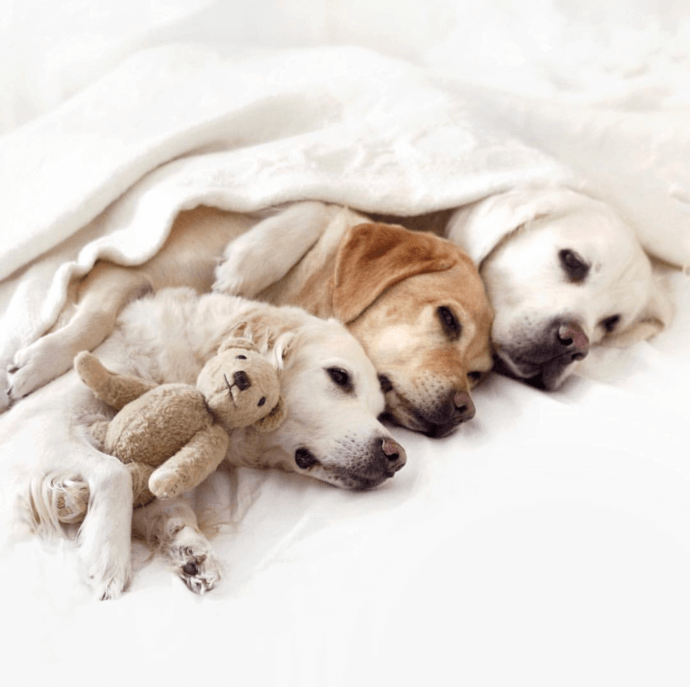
(71, 500)
(231, 275)
(105, 562)
(196, 565)
(35, 366)
(110, 589)
(108, 580)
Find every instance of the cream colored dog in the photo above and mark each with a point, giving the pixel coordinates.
(415, 301)
(564, 273)
(330, 433)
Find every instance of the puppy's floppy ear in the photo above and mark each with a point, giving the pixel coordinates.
(274, 419)
(479, 227)
(262, 326)
(237, 342)
(653, 319)
(373, 257)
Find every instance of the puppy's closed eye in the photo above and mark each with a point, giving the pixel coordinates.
(341, 378)
(574, 266)
(610, 323)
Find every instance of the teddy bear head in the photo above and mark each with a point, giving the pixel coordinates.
(242, 388)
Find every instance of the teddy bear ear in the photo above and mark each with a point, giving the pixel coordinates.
(274, 419)
(237, 342)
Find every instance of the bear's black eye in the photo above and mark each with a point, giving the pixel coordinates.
(262, 400)
(474, 376)
(610, 323)
(574, 266)
(450, 322)
(340, 377)
(240, 357)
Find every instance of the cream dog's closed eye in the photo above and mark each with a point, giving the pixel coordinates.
(564, 273)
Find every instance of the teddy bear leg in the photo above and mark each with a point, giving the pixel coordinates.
(191, 465)
(172, 528)
(114, 389)
(141, 474)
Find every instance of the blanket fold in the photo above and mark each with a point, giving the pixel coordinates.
(179, 126)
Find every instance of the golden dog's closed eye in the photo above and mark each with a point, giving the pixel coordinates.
(450, 322)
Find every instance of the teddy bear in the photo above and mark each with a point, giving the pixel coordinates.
(172, 436)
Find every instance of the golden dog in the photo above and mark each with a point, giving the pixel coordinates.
(415, 301)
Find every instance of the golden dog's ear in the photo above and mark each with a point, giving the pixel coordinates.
(373, 257)
(274, 419)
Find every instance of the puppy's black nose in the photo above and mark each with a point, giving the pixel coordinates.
(572, 340)
(242, 380)
(393, 454)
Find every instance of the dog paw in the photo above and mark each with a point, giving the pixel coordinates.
(104, 551)
(248, 267)
(107, 573)
(194, 561)
(71, 500)
(35, 366)
(231, 280)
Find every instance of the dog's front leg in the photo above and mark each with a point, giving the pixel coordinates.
(268, 251)
(171, 527)
(102, 294)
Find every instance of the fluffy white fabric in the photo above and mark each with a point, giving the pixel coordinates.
(548, 540)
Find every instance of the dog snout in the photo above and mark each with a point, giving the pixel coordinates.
(392, 455)
(457, 407)
(572, 340)
(464, 406)
(242, 380)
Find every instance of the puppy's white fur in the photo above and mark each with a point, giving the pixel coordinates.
(168, 337)
(515, 238)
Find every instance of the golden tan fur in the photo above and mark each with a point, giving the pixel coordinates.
(305, 254)
(387, 284)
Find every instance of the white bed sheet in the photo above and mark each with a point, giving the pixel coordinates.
(547, 541)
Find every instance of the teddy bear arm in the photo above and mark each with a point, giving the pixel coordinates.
(114, 389)
(192, 464)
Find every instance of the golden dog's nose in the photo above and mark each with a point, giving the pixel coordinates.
(464, 406)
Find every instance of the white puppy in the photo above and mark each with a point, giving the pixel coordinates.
(331, 431)
(564, 273)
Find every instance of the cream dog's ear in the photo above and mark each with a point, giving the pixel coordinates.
(479, 227)
(654, 317)
(237, 342)
(262, 326)
(373, 257)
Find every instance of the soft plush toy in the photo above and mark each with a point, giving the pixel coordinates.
(172, 436)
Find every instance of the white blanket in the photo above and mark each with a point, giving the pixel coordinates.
(547, 542)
